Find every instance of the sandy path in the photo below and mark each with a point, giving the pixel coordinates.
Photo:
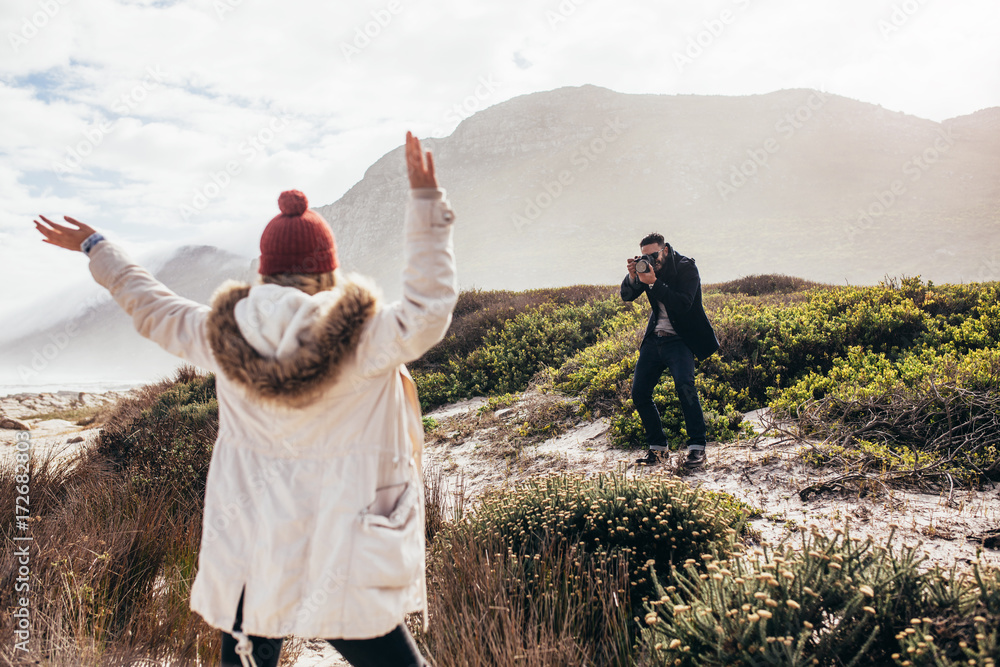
(765, 474)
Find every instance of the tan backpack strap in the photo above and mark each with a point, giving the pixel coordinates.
(416, 425)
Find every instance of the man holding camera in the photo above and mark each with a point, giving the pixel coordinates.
(678, 331)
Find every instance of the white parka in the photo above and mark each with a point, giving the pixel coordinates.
(314, 499)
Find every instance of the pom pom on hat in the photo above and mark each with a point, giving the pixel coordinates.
(292, 202)
(298, 240)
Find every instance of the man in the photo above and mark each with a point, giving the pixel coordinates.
(678, 331)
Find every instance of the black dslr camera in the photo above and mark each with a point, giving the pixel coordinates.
(645, 263)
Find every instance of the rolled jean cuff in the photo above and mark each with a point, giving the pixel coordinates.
(696, 446)
(660, 448)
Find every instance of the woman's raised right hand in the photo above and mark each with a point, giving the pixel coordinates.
(421, 171)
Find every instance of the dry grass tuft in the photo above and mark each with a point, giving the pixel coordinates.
(112, 556)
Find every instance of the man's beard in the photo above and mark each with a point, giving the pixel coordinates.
(660, 269)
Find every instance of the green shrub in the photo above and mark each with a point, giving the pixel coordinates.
(937, 390)
(434, 388)
(498, 402)
(862, 374)
(828, 601)
(950, 300)
(508, 357)
(933, 414)
(601, 374)
(780, 349)
(656, 518)
(479, 312)
(561, 564)
(965, 331)
(968, 636)
(765, 349)
(165, 436)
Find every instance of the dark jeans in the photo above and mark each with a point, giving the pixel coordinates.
(396, 649)
(656, 355)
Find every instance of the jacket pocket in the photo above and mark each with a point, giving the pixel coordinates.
(389, 548)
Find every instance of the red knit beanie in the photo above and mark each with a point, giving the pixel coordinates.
(298, 240)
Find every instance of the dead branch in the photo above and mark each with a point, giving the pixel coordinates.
(949, 431)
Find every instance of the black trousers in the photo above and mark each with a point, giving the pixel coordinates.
(396, 649)
(657, 354)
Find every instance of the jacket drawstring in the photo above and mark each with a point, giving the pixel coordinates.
(244, 649)
(416, 434)
(423, 571)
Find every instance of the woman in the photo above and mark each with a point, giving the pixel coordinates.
(314, 508)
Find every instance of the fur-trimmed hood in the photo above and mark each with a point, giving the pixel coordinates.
(282, 345)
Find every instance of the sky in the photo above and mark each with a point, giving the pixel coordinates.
(162, 123)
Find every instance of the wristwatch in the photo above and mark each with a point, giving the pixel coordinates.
(90, 242)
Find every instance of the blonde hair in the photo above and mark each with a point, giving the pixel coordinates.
(310, 283)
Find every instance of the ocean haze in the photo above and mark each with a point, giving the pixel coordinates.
(557, 188)
(95, 341)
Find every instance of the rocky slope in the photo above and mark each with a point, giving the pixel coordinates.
(557, 188)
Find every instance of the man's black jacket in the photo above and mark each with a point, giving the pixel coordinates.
(678, 288)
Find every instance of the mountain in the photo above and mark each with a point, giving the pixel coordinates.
(97, 339)
(558, 188)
